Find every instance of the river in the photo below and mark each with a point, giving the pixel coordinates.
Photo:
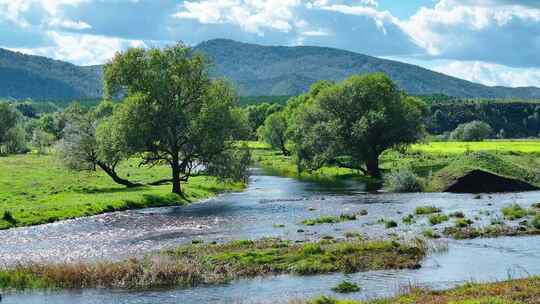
(268, 203)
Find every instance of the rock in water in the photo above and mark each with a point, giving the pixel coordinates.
(479, 181)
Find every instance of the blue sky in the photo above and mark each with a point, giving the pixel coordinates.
(494, 42)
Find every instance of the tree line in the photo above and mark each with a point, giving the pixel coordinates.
(173, 113)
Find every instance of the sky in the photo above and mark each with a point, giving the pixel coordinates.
(493, 42)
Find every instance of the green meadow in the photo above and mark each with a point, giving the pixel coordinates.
(36, 189)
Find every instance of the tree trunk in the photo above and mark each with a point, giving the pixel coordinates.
(175, 166)
(372, 165)
(117, 179)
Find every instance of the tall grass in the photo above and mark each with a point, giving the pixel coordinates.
(198, 264)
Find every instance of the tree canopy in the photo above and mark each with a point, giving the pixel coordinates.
(174, 113)
(351, 123)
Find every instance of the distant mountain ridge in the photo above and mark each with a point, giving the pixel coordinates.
(25, 76)
(281, 70)
(255, 69)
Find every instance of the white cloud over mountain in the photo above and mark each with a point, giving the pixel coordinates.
(495, 42)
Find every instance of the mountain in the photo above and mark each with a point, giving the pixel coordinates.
(25, 76)
(256, 70)
(279, 70)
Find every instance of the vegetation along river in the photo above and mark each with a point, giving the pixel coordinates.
(276, 207)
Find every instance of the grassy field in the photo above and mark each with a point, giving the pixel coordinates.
(497, 146)
(200, 264)
(526, 291)
(439, 163)
(37, 189)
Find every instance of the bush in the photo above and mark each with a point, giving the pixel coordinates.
(514, 212)
(438, 219)
(426, 210)
(472, 131)
(403, 180)
(346, 287)
(8, 217)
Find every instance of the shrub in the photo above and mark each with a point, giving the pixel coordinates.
(457, 214)
(346, 287)
(514, 212)
(426, 210)
(535, 223)
(8, 217)
(409, 219)
(390, 224)
(438, 219)
(429, 233)
(462, 223)
(403, 180)
(472, 131)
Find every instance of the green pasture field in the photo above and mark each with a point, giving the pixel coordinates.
(37, 189)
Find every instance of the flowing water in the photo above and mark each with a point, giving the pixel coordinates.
(258, 212)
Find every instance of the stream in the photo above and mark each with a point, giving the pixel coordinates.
(275, 206)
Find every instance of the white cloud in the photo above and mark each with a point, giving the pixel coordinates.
(251, 15)
(379, 17)
(317, 33)
(16, 10)
(69, 24)
(83, 49)
(491, 74)
(450, 23)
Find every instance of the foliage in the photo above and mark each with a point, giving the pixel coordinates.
(514, 212)
(508, 118)
(346, 287)
(472, 131)
(278, 70)
(10, 128)
(274, 130)
(422, 210)
(257, 114)
(88, 143)
(182, 118)
(27, 76)
(403, 180)
(359, 118)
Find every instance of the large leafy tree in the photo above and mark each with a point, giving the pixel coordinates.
(174, 113)
(351, 123)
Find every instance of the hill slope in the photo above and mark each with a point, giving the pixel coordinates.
(25, 76)
(256, 70)
(279, 70)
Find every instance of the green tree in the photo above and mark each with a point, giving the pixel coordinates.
(12, 134)
(274, 132)
(88, 144)
(472, 131)
(173, 114)
(351, 123)
(42, 140)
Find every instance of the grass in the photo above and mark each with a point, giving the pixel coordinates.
(496, 146)
(37, 189)
(200, 264)
(423, 210)
(524, 291)
(346, 287)
(437, 164)
(329, 219)
(437, 219)
(514, 212)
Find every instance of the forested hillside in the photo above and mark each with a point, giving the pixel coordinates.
(256, 71)
(24, 76)
(280, 70)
